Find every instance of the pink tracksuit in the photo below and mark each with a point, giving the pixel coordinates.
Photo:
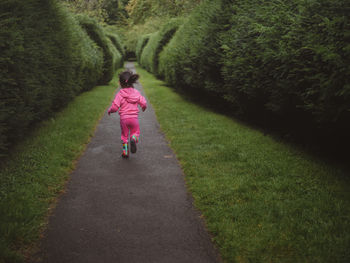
(127, 101)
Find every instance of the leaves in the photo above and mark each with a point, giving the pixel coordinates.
(141, 10)
(149, 57)
(278, 63)
(46, 60)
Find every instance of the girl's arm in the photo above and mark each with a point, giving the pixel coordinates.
(116, 104)
(143, 103)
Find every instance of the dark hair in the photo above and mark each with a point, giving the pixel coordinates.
(127, 78)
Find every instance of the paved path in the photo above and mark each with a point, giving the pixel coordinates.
(135, 210)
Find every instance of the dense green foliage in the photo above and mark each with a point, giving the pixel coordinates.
(140, 11)
(131, 33)
(117, 42)
(191, 57)
(112, 57)
(112, 10)
(141, 43)
(290, 59)
(105, 11)
(117, 56)
(45, 60)
(279, 63)
(149, 16)
(147, 52)
(150, 54)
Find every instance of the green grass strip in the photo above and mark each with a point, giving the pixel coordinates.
(263, 200)
(37, 170)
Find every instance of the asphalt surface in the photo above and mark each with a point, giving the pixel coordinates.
(127, 210)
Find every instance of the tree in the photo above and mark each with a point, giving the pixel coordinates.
(141, 10)
(111, 8)
(105, 11)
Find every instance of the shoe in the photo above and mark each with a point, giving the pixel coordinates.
(133, 142)
(125, 153)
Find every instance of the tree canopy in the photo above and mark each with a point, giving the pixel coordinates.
(137, 11)
(105, 11)
(140, 10)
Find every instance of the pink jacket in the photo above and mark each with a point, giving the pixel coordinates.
(126, 102)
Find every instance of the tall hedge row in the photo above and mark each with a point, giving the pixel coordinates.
(145, 57)
(284, 62)
(46, 59)
(117, 58)
(141, 43)
(290, 59)
(117, 42)
(191, 58)
(111, 56)
(150, 54)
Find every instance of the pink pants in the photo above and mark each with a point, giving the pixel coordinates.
(129, 124)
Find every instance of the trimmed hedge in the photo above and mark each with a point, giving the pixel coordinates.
(190, 60)
(145, 58)
(289, 59)
(150, 54)
(282, 64)
(46, 59)
(116, 42)
(111, 56)
(141, 43)
(117, 57)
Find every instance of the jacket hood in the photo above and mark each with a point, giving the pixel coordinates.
(131, 95)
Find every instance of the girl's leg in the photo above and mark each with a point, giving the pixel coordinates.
(134, 128)
(124, 130)
(124, 137)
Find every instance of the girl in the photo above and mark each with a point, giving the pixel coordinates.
(126, 101)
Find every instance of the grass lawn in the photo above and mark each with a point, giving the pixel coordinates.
(36, 172)
(263, 200)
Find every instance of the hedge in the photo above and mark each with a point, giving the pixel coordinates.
(141, 43)
(145, 58)
(279, 63)
(46, 59)
(291, 60)
(150, 54)
(190, 60)
(117, 42)
(117, 57)
(111, 55)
